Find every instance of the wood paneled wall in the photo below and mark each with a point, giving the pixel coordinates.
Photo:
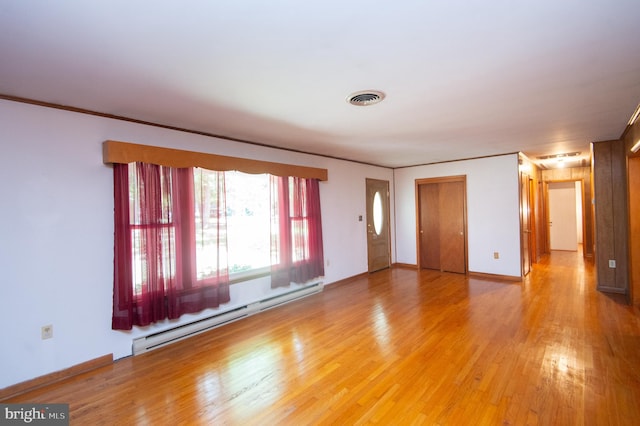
(609, 164)
(634, 228)
(630, 137)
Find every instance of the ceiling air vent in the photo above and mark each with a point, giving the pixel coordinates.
(365, 97)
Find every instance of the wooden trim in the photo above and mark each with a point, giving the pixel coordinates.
(124, 152)
(441, 179)
(347, 280)
(405, 266)
(165, 126)
(48, 379)
(485, 276)
(85, 111)
(607, 289)
(457, 160)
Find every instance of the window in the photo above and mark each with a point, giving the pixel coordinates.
(158, 221)
(296, 249)
(182, 232)
(158, 245)
(299, 222)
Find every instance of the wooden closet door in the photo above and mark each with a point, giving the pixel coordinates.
(429, 226)
(441, 216)
(452, 257)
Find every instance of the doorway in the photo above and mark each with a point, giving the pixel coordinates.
(527, 224)
(565, 216)
(378, 233)
(441, 213)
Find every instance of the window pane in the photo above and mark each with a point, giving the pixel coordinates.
(300, 232)
(140, 189)
(248, 221)
(377, 213)
(152, 232)
(165, 265)
(210, 229)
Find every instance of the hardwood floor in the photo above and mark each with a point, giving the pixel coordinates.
(397, 347)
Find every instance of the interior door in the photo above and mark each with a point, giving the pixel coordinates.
(441, 224)
(429, 211)
(563, 226)
(378, 233)
(452, 238)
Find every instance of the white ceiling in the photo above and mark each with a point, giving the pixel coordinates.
(463, 78)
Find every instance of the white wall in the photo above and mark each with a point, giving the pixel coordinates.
(56, 232)
(493, 222)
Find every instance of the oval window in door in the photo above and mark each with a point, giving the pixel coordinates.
(377, 213)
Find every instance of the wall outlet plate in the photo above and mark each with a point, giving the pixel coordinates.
(612, 263)
(47, 332)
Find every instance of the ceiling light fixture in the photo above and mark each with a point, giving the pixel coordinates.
(365, 97)
(559, 156)
(636, 147)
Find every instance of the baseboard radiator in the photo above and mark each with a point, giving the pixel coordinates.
(165, 337)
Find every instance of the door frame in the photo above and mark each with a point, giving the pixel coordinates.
(387, 220)
(528, 183)
(547, 242)
(442, 179)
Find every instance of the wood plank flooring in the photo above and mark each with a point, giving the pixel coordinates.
(396, 347)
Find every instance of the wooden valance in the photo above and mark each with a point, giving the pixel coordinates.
(124, 152)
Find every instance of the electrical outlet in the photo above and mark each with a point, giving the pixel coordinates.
(612, 264)
(496, 255)
(47, 332)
